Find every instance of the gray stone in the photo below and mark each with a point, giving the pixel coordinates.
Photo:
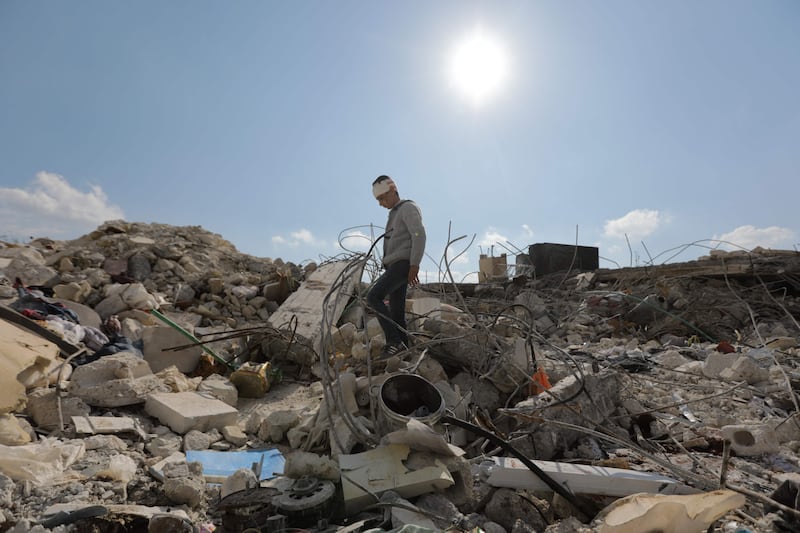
(234, 435)
(184, 483)
(165, 445)
(276, 424)
(196, 440)
(439, 506)
(716, 362)
(139, 267)
(520, 526)
(483, 393)
(506, 507)
(221, 388)
(105, 442)
(242, 479)
(43, 408)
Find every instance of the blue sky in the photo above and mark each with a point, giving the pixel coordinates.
(636, 127)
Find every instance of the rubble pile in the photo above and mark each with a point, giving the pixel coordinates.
(156, 379)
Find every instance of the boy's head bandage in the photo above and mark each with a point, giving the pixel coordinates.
(383, 187)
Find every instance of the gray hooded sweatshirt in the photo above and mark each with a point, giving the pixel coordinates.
(405, 234)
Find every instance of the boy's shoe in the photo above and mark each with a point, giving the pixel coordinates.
(391, 350)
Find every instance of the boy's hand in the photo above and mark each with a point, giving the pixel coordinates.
(413, 275)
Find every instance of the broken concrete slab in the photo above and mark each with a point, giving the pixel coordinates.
(43, 408)
(157, 469)
(23, 354)
(114, 380)
(305, 305)
(184, 411)
(91, 425)
(184, 483)
(158, 342)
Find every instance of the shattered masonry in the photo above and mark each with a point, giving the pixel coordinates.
(209, 390)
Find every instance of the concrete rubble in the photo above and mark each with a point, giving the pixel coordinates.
(156, 379)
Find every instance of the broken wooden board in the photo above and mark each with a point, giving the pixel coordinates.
(511, 473)
(306, 303)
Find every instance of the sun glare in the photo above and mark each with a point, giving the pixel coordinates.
(478, 67)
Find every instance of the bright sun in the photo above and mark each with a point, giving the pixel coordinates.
(478, 67)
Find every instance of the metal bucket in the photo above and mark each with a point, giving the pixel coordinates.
(406, 396)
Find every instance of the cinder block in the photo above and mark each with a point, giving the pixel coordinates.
(748, 440)
(184, 411)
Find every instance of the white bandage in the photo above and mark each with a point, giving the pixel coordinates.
(382, 187)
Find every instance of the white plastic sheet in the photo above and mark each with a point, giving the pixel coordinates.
(40, 462)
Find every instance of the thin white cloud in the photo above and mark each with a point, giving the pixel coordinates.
(355, 241)
(636, 224)
(527, 231)
(52, 207)
(491, 237)
(749, 237)
(301, 237)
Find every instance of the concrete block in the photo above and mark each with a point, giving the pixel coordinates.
(157, 339)
(184, 411)
(748, 440)
(114, 380)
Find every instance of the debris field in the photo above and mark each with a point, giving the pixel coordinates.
(155, 379)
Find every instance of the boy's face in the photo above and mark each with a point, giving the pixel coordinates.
(388, 199)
